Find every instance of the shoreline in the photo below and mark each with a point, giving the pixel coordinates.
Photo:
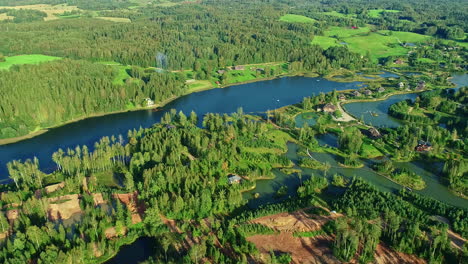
(41, 131)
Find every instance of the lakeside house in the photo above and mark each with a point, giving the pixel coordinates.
(401, 85)
(367, 92)
(374, 132)
(342, 97)
(399, 61)
(423, 146)
(329, 108)
(356, 93)
(149, 102)
(381, 90)
(234, 179)
(239, 68)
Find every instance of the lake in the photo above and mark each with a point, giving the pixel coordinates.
(253, 98)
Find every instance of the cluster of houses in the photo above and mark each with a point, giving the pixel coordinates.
(419, 87)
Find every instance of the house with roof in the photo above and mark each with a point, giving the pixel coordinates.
(341, 97)
(374, 132)
(421, 86)
(239, 68)
(149, 102)
(367, 92)
(234, 179)
(329, 108)
(423, 146)
(381, 90)
(401, 85)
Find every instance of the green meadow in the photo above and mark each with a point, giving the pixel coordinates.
(291, 18)
(379, 44)
(334, 13)
(26, 59)
(378, 12)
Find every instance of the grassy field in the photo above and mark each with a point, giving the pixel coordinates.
(291, 18)
(334, 13)
(379, 44)
(26, 59)
(116, 19)
(378, 12)
(3, 16)
(52, 11)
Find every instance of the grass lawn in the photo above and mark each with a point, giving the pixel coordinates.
(375, 13)
(116, 19)
(26, 59)
(378, 44)
(291, 18)
(334, 13)
(369, 151)
(199, 85)
(106, 178)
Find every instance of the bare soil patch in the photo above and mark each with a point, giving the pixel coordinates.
(63, 207)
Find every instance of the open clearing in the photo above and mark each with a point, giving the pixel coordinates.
(312, 249)
(26, 59)
(3, 16)
(52, 11)
(291, 18)
(378, 44)
(378, 12)
(116, 19)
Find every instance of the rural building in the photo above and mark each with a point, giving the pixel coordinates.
(356, 93)
(260, 70)
(234, 179)
(170, 126)
(329, 108)
(149, 102)
(239, 68)
(401, 85)
(381, 90)
(398, 61)
(374, 132)
(421, 86)
(342, 97)
(221, 71)
(367, 92)
(423, 146)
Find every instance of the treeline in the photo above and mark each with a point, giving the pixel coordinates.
(208, 37)
(56, 92)
(400, 224)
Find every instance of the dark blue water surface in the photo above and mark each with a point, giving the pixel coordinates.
(252, 97)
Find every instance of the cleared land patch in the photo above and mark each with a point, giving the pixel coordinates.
(116, 19)
(4, 16)
(378, 44)
(26, 59)
(291, 18)
(378, 12)
(52, 11)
